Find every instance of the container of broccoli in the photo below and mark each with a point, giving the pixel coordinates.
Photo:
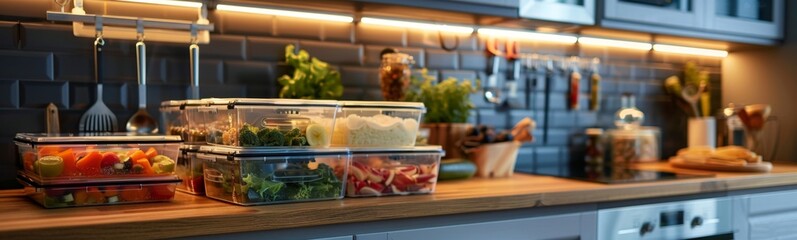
(256, 176)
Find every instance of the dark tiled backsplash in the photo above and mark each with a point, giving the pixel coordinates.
(42, 63)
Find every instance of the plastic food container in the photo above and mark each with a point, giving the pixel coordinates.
(247, 176)
(183, 118)
(93, 194)
(377, 124)
(61, 158)
(271, 122)
(637, 145)
(189, 169)
(398, 171)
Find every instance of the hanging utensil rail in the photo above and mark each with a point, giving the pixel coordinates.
(122, 27)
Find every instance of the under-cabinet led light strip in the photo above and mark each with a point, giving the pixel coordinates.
(418, 25)
(689, 50)
(615, 43)
(286, 13)
(531, 35)
(175, 3)
(549, 37)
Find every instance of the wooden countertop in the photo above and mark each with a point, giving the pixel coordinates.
(190, 215)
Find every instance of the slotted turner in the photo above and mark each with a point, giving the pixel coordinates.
(98, 118)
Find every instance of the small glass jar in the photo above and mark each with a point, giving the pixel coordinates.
(394, 75)
(628, 117)
(633, 146)
(594, 151)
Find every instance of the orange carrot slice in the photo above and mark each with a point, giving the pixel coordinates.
(28, 158)
(138, 154)
(70, 162)
(147, 167)
(49, 151)
(152, 152)
(89, 165)
(80, 197)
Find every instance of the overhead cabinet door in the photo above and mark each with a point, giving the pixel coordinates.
(755, 18)
(670, 13)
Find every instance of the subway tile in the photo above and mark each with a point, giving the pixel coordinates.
(334, 53)
(119, 68)
(441, 59)
(562, 119)
(558, 101)
(8, 35)
(290, 27)
(360, 77)
(560, 83)
(248, 72)
(123, 96)
(433, 73)
(26, 65)
(245, 24)
(53, 37)
(156, 94)
(37, 94)
(587, 119)
(460, 75)
(379, 35)
(525, 158)
(493, 118)
(663, 71)
(633, 87)
(265, 90)
(353, 93)
(653, 88)
(473, 60)
(9, 94)
(431, 39)
(30, 120)
(547, 48)
(74, 66)
(373, 95)
(372, 56)
(558, 137)
(470, 43)
(620, 71)
(81, 95)
(337, 31)
(210, 72)
(267, 49)
(224, 46)
(544, 155)
(221, 91)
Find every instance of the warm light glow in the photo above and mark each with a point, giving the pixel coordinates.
(529, 35)
(418, 25)
(175, 3)
(286, 13)
(690, 50)
(614, 43)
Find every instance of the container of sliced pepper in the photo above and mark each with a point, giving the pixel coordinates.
(189, 169)
(256, 176)
(274, 123)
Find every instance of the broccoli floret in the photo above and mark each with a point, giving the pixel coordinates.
(298, 141)
(271, 137)
(263, 135)
(293, 133)
(247, 136)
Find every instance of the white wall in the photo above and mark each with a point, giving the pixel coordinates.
(768, 76)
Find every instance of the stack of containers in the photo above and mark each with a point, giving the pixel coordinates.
(73, 170)
(266, 151)
(385, 161)
(183, 118)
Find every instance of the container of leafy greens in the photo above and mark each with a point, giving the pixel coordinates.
(256, 176)
(183, 118)
(377, 124)
(270, 123)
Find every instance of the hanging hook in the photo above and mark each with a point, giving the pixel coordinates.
(62, 3)
(98, 31)
(443, 43)
(194, 38)
(140, 30)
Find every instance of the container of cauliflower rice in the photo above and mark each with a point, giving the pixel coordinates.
(377, 124)
(249, 122)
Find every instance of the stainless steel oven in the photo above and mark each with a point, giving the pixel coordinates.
(692, 219)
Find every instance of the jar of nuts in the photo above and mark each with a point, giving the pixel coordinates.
(394, 75)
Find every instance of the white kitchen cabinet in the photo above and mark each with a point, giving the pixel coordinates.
(755, 18)
(566, 226)
(675, 13)
(748, 21)
(766, 215)
(570, 11)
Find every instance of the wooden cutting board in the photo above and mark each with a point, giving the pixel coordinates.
(755, 167)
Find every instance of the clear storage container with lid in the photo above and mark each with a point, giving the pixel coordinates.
(270, 122)
(634, 145)
(377, 124)
(183, 118)
(94, 194)
(67, 158)
(252, 176)
(189, 169)
(393, 171)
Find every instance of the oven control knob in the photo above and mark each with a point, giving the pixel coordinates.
(697, 222)
(646, 228)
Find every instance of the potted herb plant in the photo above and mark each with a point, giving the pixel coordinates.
(447, 109)
(312, 78)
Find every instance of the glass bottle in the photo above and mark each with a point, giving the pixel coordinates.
(628, 117)
(394, 75)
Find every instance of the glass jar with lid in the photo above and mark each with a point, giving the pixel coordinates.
(394, 75)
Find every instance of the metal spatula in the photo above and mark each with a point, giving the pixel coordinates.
(98, 118)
